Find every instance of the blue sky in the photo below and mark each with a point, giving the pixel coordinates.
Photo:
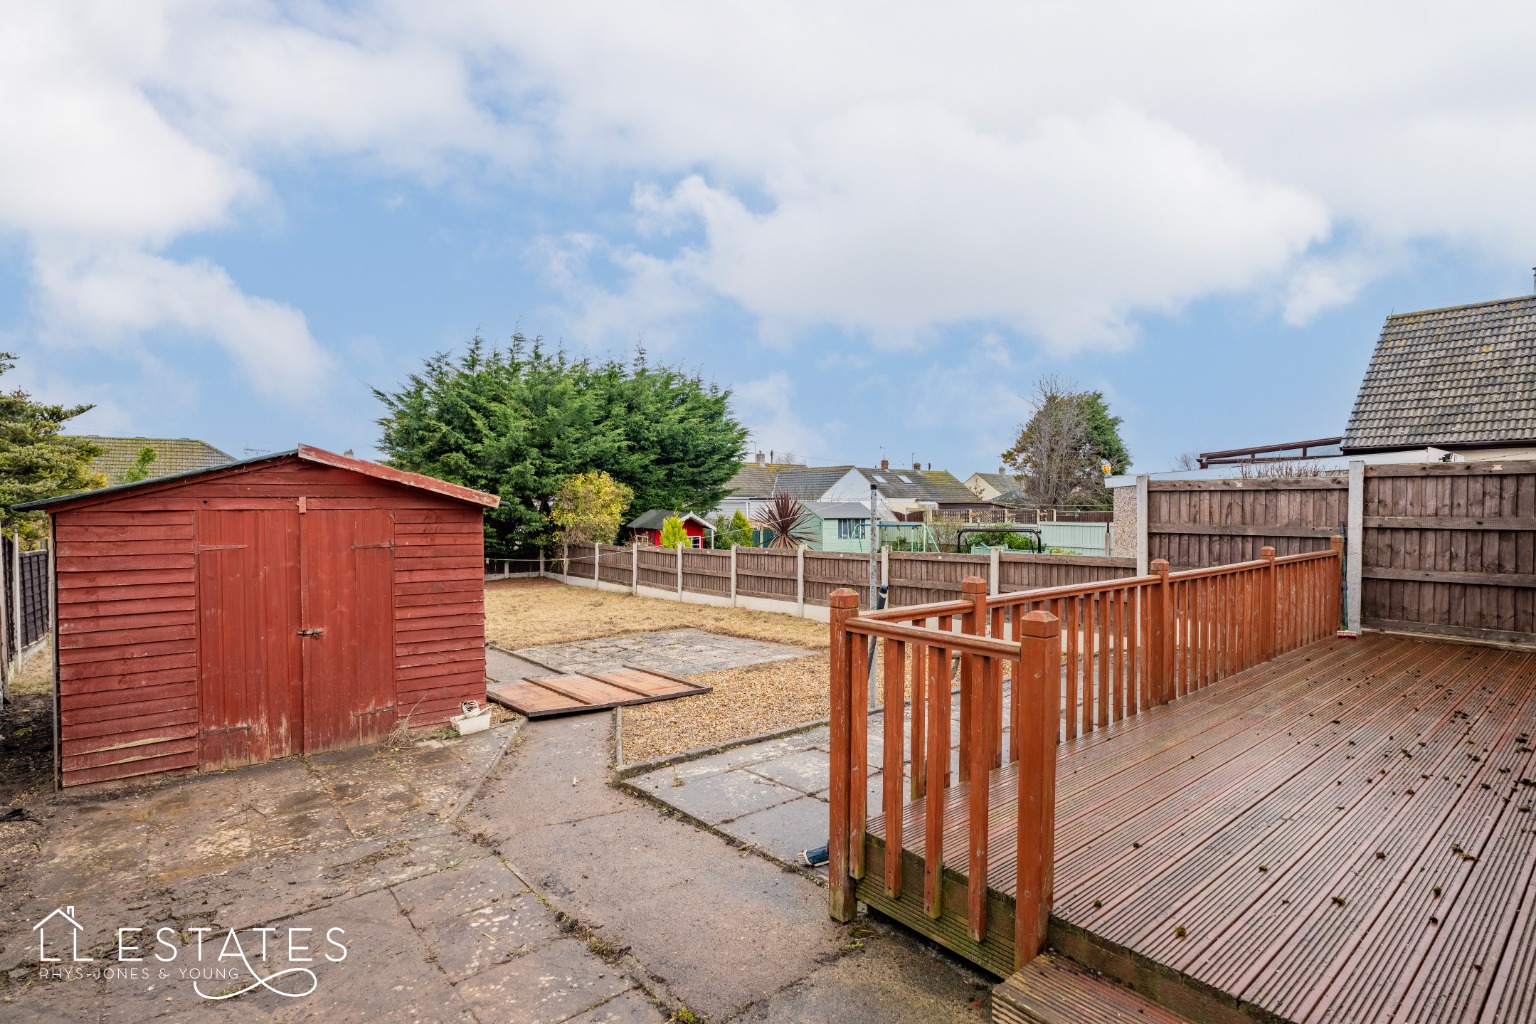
(877, 224)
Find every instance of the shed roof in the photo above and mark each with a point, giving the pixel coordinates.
(654, 519)
(304, 453)
(1462, 376)
(839, 509)
(173, 455)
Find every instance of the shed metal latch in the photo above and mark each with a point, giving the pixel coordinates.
(311, 632)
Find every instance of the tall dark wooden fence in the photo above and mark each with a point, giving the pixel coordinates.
(1451, 548)
(1447, 548)
(1199, 524)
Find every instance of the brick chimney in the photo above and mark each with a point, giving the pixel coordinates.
(885, 463)
(917, 465)
(762, 460)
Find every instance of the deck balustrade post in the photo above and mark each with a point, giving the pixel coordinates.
(841, 902)
(1040, 695)
(973, 589)
(1160, 642)
(1269, 600)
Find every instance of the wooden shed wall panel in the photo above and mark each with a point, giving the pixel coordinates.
(127, 597)
(127, 643)
(439, 612)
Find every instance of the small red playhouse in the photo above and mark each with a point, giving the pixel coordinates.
(647, 529)
(290, 603)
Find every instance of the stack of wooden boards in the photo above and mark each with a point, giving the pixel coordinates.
(576, 692)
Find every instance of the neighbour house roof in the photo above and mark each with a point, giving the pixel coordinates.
(303, 453)
(934, 485)
(804, 483)
(1009, 489)
(656, 517)
(1458, 377)
(172, 455)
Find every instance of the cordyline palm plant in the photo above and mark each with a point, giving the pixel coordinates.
(787, 519)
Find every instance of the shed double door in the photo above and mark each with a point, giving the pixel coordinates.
(295, 632)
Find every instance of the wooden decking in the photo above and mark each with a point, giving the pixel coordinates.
(1342, 834)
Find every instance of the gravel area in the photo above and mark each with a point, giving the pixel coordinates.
(744, 702)
(533, 612)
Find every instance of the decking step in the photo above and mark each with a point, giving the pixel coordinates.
(1053, 990)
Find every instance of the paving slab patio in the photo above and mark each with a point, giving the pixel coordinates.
(678, 652)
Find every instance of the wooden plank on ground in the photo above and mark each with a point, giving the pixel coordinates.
(578, 693)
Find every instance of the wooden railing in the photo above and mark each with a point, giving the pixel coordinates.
(1033, 668)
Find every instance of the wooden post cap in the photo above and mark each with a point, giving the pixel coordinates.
(1039, 625)
(973, 585)
(1336, 542)
(1267, 553)
(843, 598)
(1159, 567)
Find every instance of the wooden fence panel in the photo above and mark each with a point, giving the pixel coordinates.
(1451, 548)
(614, 564)
(1198, 524)
(36, 618)
(924, 578)
(825, 571)
(765, 573)
(1031, 572)
(707, 572)
(658, 568)
(579, 561)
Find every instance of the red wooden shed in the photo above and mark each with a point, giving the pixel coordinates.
(291, 603)
(647, 528)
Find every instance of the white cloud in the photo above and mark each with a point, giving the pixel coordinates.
(103, 297)
(1054, 169)
(767, 407)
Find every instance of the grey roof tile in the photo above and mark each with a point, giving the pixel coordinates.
(1448, 377)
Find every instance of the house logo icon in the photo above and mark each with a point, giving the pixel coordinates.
(68, 923)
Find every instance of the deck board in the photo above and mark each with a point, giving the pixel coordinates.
(1312, 767)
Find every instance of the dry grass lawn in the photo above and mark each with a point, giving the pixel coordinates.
(533, 612)
(745, 701)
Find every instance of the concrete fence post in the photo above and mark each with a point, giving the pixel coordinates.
(597, 557)
(800, 581)
(541, 563)
(1143, 534)
(995, 572)
(634, 568)
(1354, 546)
(679, 570)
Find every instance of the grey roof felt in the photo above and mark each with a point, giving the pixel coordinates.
(1450, 377)
(838, 509)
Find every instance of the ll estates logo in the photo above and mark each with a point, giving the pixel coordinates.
(219, 966)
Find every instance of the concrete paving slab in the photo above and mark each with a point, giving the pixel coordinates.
(630, 1008)
(889, 982)
(550, 984)
(806, 770)
(784, 831)
(727, 796)
(475, 917)
(677, 652)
